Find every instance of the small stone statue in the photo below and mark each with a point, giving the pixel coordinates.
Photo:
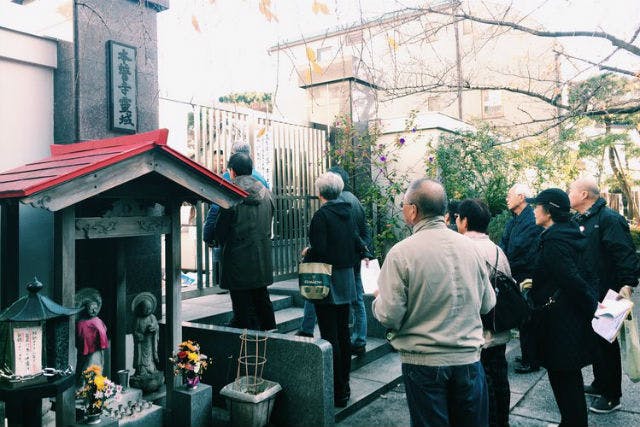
(91, 332)
(145, 339)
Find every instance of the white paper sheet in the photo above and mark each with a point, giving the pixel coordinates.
(610, 314)
(370, 275)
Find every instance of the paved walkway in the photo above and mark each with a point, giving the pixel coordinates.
(532, 402)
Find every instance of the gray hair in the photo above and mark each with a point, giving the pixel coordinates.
(428, 196)
(241, 147)
(588, 184)
(523, 189)
(329, 185)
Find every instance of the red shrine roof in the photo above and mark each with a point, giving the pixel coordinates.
(70, 161)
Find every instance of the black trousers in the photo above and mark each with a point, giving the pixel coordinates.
(252, 309)
(528, 345)
(333, 322)
(496, 371)
(607, 369)
(568, 389)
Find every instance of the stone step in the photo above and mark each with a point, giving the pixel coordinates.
(216, 309)
(370, 381)
(289, 319)
(375, 349)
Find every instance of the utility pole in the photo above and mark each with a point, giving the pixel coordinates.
(458, 61)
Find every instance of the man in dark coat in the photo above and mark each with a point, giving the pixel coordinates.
(244, 233)
(613, 255)
(519, 242)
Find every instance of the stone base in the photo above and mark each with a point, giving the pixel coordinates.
(192, 407)
(104, 422)
(147, 383)
(125, 396)
(151, 417)
(159, 397)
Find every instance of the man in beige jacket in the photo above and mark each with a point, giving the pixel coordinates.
(433, 286)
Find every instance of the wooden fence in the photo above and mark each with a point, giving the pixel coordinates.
(290, 157)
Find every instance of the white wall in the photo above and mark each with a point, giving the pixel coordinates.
(27, 64)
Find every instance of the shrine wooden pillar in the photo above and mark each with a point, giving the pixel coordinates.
(64, 292)
(173, 296)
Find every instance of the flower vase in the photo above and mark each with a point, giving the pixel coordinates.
(93, 418)
(192, 382)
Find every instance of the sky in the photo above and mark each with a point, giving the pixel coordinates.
(228, 50)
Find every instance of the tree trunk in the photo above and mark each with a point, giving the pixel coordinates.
(618, 172)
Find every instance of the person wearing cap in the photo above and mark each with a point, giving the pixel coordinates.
(519, 242)
(612, 252)
(563, 295)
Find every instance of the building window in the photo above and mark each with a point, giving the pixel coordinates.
(324, 53)
(492, 104)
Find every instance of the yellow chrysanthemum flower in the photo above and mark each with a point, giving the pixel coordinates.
(193, 357)
(99, 382)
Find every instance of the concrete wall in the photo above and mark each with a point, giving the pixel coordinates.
(303, 367)
(27, 65)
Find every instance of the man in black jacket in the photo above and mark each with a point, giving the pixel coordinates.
(244, 234)
(612, 253)
(519, 243)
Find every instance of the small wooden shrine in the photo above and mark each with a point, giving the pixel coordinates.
(99, 191)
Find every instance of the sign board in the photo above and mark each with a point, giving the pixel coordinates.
(263, 154)
(27, 341)
(123, 87)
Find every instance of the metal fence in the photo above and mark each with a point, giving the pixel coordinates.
(290, 157)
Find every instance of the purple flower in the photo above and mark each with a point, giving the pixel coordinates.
(401, 140)
(383, 158)
(413, 130)
(430, 159)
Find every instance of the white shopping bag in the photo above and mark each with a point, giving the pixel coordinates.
(369, 275)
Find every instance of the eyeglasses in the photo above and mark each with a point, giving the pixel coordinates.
(403, 204)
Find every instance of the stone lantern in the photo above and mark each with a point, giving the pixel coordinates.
(34, 339)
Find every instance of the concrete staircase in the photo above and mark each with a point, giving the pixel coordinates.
(372, 374)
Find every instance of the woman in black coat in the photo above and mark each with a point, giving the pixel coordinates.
(564, 298)
(333, 238)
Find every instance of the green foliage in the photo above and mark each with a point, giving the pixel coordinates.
(596, 92)
(496, 226)
(471, 165)
(251, 99)
(635, 235)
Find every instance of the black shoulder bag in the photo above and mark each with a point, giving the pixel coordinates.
(511, 309)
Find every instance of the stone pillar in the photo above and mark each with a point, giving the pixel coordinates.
(81, 80)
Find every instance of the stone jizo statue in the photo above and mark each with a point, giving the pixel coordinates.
(91, 332)
(145, 338)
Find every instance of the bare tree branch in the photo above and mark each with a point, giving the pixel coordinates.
(599, 65)
(615, 41)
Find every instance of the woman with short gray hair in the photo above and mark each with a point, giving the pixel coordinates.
(333, 238)
(329, 185)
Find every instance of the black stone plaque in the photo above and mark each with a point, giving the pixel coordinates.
(123, 89)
